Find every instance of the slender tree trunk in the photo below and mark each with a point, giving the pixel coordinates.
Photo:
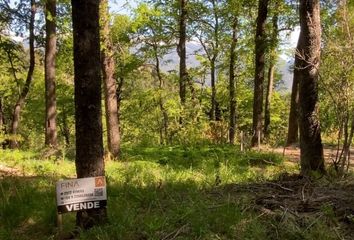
(348, 137)
(88, 124)
(347, 149)
(1, 116)
(308, 53)
(293, 126)
(232, 84)
(213, 90)
(260, 47)
(119, 97)
(215, 108)
(22, 98)
(181, 49)
(164, 127)
(2, 123)
(268, 98)
(50, 96)
(3, 127)
(65, 128)
(109, 84)
(271, 72)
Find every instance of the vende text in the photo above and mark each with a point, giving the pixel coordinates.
(82, 206)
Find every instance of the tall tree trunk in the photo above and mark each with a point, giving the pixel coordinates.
(164, 127)
(215, 107)
(260, 47)
(22, 98)
(50, 96)
(268, 99)
(232, 84)
(308, 55)
(119, 93)
(1, 116)
(88, 124)
(65, 128)
(271, 71)
(213, 90)
(293, 126)
(181, 49)
(109, 84)
(2, 124)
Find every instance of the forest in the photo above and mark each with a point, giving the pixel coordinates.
(195, 119)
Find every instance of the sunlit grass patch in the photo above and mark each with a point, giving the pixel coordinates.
(153, 193)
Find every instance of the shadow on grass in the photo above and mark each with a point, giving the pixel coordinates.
(27, 207)
(155, 193)
(156, 210)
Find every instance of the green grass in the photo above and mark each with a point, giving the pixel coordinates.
(153, 193)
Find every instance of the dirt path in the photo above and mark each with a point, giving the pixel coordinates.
(8, 171)
(293, 154)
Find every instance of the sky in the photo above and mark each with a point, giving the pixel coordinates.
(121, 6)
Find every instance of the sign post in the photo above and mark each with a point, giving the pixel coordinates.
(80, 194)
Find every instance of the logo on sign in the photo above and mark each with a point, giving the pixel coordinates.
(99, 182)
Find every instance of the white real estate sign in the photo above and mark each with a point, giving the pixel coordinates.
(81, 194)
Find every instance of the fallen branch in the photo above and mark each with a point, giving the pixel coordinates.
(280, 186)
(175, 233)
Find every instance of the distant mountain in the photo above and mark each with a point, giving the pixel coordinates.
(171, 61)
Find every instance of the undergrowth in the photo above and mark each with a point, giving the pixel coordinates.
(153, 193)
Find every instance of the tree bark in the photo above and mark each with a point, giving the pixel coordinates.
(232, 84)
(109, 84)
(164, 126)
(2, 123)
(3, 127)
(213, 90)
(65, 128)
(271, 72)
(268, 98)
(22, 97)
(293, 127)
(88, 124)
(50, 96)
(1, 116)
(260, 47)
(308, 55)
(181, 49)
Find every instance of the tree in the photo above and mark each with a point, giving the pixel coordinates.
(232, 82)
(22, 97)
(271, 70)
(109, 84)
(207, 29)
(50, 88)
(88, 125)
(12, 67)
(2, 118)
(337, 77)
(308, 61)
(293, 126)
(260, 47)
(181, 50)
(152, 24)
(233, 21)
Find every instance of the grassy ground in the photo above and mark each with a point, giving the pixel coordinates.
(155, 193)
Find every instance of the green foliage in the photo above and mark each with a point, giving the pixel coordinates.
(337, 77)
